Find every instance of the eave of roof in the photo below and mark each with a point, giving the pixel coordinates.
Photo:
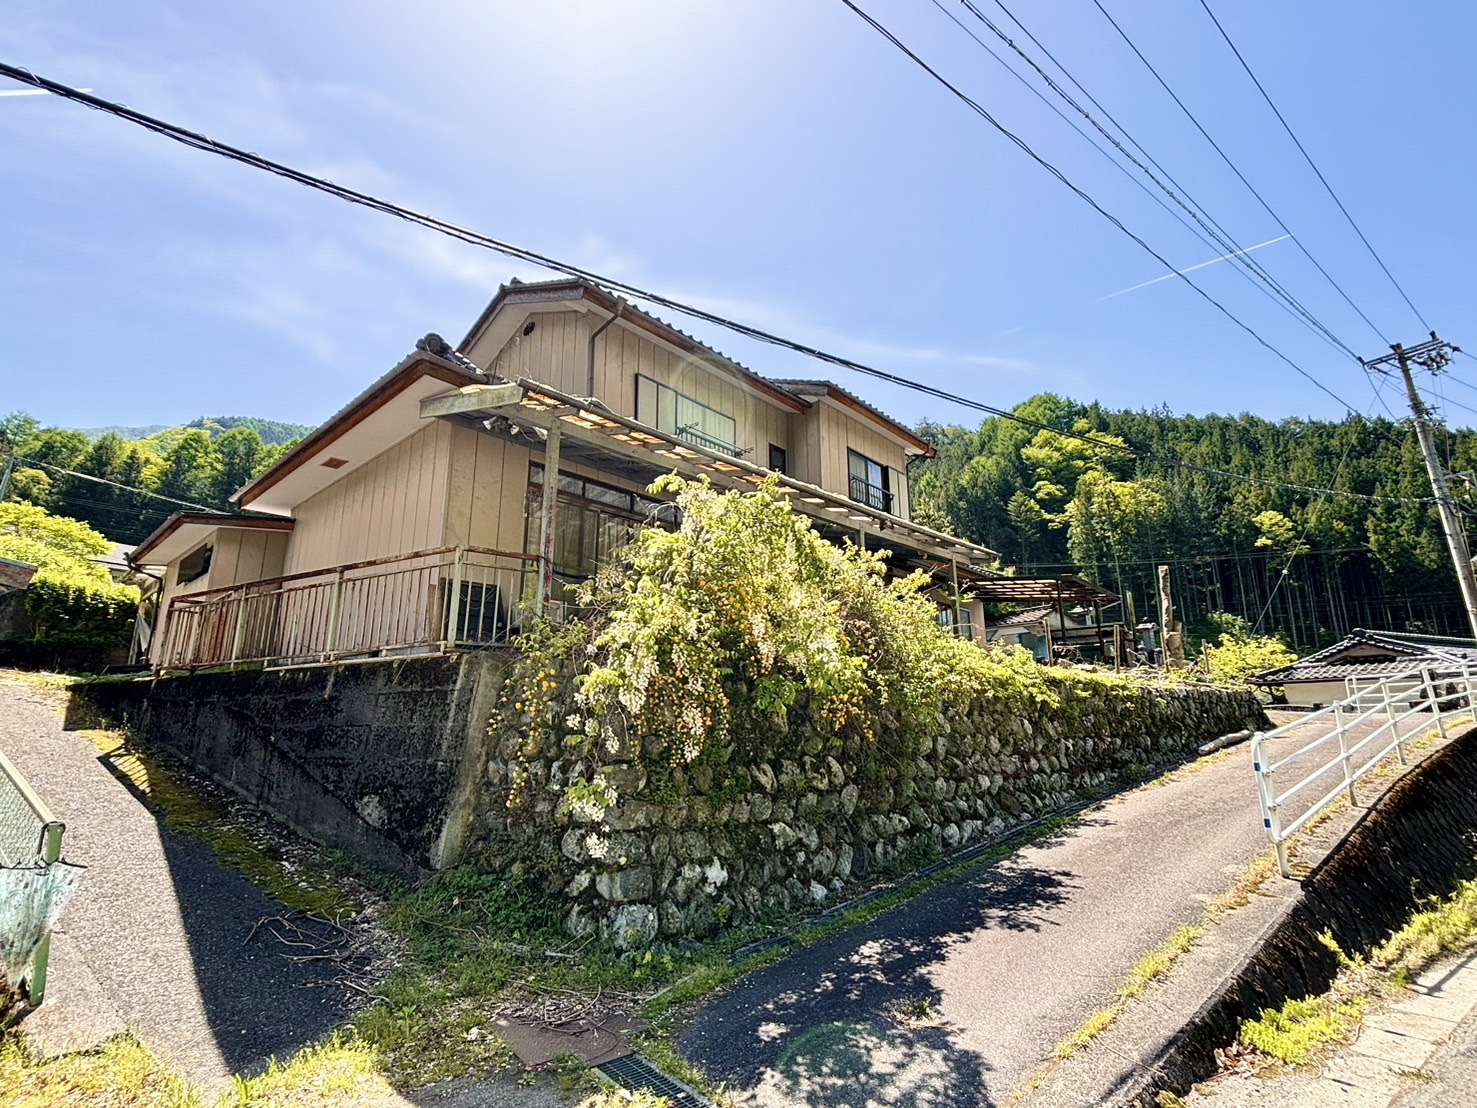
(1022, 619)
(579, 289)
(209, 521)
(849, 399)
(408, 371)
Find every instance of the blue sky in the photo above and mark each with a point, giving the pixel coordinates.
(773, 160)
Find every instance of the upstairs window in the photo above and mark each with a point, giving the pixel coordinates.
(194, 565)
(870, 481)
(682, 417)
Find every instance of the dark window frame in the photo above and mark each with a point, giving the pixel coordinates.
(779, 459)
(205, 552)
(594, 523)
(708, 439)
(860, 485)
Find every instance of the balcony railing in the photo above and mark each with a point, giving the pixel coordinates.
(446, 599)
(873, 496)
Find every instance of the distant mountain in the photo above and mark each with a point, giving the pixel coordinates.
(271, 432)
(129, 433)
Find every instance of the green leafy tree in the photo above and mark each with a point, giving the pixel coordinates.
(70, 599)
(191, 469)
(239, 454)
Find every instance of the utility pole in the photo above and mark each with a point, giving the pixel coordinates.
(1435, 356)
(5, 476)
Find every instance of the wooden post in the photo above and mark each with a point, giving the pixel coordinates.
(454, 620)
(240, 627)
(333, 614)
(954, 582)
(1173, 644)
(543, 598)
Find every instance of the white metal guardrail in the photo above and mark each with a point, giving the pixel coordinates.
(1342, 743)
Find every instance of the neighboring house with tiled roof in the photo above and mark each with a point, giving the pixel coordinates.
(1035, 628)
(1322, 678)
(434, 484)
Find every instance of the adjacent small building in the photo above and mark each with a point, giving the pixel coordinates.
(1362, 657)
(469, 486)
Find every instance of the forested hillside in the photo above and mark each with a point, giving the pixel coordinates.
(199, 464)
(271, 432)
(1054, 504)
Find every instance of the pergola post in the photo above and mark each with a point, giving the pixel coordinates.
(543, 597)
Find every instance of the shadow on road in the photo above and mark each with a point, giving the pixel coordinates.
(852, 1021)
(270, 980)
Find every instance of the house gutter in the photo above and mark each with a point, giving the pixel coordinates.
(590, 376)
(138, 614)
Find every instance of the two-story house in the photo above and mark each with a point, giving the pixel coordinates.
(470, 486)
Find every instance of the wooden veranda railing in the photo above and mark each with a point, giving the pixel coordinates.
(446, 599)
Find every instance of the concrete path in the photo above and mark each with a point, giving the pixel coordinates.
(1420, 1052)
(160, 939)
(959, 996)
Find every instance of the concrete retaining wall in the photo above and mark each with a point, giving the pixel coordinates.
(382, 759)
(1418, 841)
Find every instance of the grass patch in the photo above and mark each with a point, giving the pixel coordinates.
(1303, 1029)
(340, 1071)
(1149, 968)
(1093, 1026)
(1156, 963)
(1300, 1031)
(121, 1073)
(190, 810)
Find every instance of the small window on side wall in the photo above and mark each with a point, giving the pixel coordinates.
(777, 460)
(194, 565)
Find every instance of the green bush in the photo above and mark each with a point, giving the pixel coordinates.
(701, 641)
(1239, 655)
(71, 601)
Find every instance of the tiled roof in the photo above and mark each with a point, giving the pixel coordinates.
(1300, 672)
(1401, 652)
(1029, 616)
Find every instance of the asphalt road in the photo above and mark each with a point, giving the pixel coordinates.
(160, 939)
(956, 997)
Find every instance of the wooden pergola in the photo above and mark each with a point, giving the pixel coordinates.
(1057, 593)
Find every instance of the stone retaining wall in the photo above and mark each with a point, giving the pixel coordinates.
(686, 851)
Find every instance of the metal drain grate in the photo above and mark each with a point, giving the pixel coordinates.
(638, 1075)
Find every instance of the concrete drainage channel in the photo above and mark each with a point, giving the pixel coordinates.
(637, 1075)
(1418, 841)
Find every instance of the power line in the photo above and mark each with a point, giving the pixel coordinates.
(1214, 234)
(1060, 176)
(116, 485)
(474, 238)
(1240, 176)
(1313, 165)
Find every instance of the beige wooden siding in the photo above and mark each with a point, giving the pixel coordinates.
(830, 431)
(395, 504)
(238, 556)
(488, 485)
(243, 556)
(556, 352)
(622, 354)
(171, 589)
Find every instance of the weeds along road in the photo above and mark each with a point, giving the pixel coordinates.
(958, 996)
